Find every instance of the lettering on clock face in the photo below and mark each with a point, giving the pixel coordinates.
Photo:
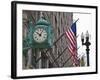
(40, 35)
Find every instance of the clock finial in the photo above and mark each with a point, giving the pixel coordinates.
(41, 14)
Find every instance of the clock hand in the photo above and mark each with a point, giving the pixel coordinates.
(41, 31)
(38, 33)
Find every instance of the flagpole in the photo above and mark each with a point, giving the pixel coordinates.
(76, 20)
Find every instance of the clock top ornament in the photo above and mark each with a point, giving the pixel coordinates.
(42, 21)
(40, 35)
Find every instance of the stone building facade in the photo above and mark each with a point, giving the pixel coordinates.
(58, 55)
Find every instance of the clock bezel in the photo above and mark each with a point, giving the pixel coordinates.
(45, 39)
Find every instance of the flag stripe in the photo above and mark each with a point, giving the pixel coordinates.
(75, 58)
(70, 39)
(72, 34)
(72, 52)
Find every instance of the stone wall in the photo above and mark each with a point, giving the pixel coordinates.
(58, 55)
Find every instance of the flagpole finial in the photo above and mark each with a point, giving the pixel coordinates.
(76, 20)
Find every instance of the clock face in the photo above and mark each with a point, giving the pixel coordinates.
(40, 35)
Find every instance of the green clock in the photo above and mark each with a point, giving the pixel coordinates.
(40, 35)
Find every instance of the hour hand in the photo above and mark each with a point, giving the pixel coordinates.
(37, 33)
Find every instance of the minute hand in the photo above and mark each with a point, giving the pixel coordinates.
(41, 32)
(37, 33)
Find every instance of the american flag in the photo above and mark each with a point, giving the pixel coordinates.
(72, 45)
